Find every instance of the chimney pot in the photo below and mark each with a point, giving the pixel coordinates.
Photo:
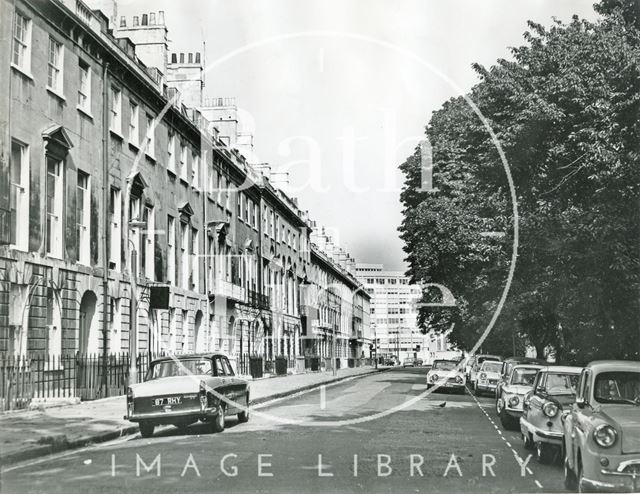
(136, 20)
(161, 17)
(123, 21)
(145, 19)
(181, 57)
(152, 19)
(190, 57)
(197, 57)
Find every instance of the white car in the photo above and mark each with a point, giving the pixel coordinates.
(487, 378)
(476, 363)
(509, 403)
(446, 374)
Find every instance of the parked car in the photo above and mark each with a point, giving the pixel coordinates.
(184, 389)
(509, 401)
(509, 363)
(408, 362)
(419, 362)
(554, 390)
(602, 429)
(475, 364)
(447, 374)
(487, 377)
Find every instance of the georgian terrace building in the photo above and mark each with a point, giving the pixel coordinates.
(102, 158)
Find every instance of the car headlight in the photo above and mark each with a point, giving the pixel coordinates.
(513, 401)
(434, 377)
(483, 376)
(458, 379)
(605, 435)
(129, 394)
(550, 409)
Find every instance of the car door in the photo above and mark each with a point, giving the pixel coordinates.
(574, 431)
(533, 413)
(223, 380)
(235, 385)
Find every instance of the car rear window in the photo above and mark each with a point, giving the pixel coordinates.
(444, 365)
(180, 367)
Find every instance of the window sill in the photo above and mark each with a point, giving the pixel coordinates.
(18, 248)
(172, 173)
(22, 71)
(116, 134)
(134, 145)
(85, 112)
(184, 181)
(57, 94)
(150, 157)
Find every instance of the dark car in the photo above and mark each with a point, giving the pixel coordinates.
(184, 389)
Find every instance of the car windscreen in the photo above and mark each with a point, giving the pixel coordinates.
(491, 366)
(523, 375)
(617, 387)
(181, 367)
(561, 384)
(446, 365)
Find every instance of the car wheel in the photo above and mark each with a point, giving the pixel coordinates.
(544, 453)
(243, 416)
(570, 480)
(146, 429)
(506, 420)
(218, 421)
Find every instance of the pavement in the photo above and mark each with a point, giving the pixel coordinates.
(34, 433)
(381, 432)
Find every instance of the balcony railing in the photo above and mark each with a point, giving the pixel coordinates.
(258, 300)
(223, 288)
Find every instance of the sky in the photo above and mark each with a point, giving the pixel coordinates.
(338, 92)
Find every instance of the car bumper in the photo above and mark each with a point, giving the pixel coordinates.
(541, 435)
(486, 387)
(514, 412)
(617, 477)
(444, 384)
(171, 416)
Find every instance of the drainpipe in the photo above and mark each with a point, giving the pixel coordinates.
(105, 209)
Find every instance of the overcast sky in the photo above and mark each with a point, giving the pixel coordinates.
(338, 92)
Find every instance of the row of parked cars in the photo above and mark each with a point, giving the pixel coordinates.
(587, 417)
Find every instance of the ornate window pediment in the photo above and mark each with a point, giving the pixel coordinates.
(57, 141)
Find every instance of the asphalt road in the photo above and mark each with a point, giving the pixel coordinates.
(358, 435)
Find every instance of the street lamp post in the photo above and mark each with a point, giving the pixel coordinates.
(133, 312)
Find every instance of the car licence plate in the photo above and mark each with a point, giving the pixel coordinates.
(168, 400)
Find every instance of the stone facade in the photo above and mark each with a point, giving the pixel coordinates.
(116, 190)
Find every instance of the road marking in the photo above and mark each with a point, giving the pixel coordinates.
(323, 397)
(515, 453)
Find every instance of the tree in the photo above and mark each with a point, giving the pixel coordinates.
(566, 111)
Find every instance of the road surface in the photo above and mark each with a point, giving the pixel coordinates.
(360, 435)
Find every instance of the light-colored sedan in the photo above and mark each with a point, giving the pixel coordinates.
(554, 390)
(602, 429)
(487, 378)
(446, 374)
(509, 401)
(184, 389)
